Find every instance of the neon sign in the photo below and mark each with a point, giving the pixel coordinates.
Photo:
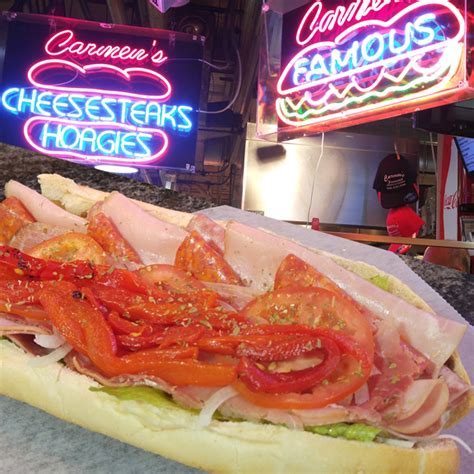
(62, 43)
(352, 62)
(97, 98)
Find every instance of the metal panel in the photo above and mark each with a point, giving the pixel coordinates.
(278, 178)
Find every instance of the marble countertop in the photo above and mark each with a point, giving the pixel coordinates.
(455, 287)
(23, 165)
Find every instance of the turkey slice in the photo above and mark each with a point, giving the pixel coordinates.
(154, 240)
(42, 209)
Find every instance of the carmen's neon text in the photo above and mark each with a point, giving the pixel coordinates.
(315, 21)
(64, 43)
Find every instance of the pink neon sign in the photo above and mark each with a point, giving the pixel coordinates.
(316, 20)
(157, 80)
(64, 43)
(369, 58)
(100, 101)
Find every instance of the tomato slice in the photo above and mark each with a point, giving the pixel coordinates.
(69, 248)
(16, 206)
(104, 231)
(296, 272)
(316, 308)
(169, 277)
(10, 222)
(346, 379)
(327, 311)
(199, 258)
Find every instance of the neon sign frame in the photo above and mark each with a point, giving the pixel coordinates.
(345, 63)
(103, 101)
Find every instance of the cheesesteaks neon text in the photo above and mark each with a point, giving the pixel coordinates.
(97, 108)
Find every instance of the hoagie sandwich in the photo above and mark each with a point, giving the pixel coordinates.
(220, 345)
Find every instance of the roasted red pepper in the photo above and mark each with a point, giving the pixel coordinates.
(260, 380)
(25, 265)
(87, 330)
(65, 308)
(124, 326)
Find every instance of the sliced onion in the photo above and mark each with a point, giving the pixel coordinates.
(51, 358)
(291, 421)
(374, 371)
(399, 443)
(213, 403)
(362, 395)
(49, 342)
(457, 440)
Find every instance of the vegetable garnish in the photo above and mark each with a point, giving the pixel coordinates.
(314, 349)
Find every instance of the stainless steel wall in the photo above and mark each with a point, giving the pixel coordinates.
(278, 178)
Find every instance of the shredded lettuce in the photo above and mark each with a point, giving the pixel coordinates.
(382, 282)
(159, 399)
(356, 431)
(154, 397)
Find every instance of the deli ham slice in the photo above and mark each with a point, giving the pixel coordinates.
(211, 231)
(34, 234)
(155, 241)
(12, 325)
(415, 396)
(256, 255)
(428, 414)
(456, 385)
(42, 209)
(28, 344)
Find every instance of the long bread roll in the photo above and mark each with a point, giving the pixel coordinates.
(227, 446)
